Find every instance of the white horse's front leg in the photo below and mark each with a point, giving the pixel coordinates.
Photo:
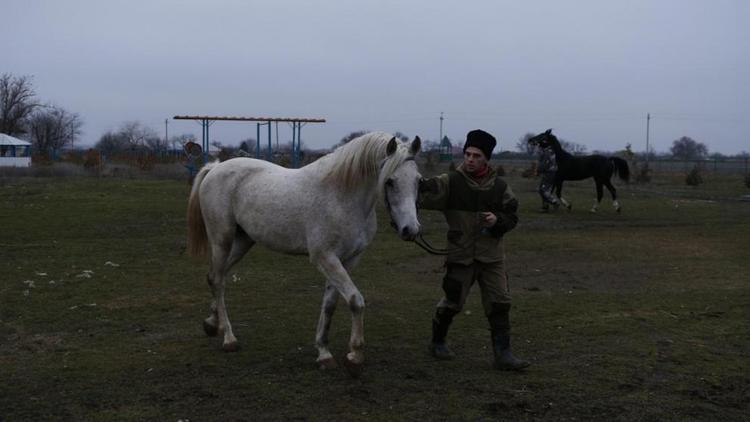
(338, 277)
(330, 297)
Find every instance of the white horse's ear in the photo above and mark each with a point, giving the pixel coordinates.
(416, 146)
(392, 145)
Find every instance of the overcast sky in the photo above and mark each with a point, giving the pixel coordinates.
(589, 69)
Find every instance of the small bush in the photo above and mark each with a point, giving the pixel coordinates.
(694, 178)
(500, 170)
(747, 180)
(643, 175)
(530, 172)
(57, 170)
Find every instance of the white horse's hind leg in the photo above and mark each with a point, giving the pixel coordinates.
(337, 276)
(211, 324)
(223, 257)
(240, 245)
(216, 280)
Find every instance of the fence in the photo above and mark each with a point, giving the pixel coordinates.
(660, 165)
(718, 165)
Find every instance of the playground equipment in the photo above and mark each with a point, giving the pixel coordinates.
(296, 122)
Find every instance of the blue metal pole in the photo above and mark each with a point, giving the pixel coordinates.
(208, 140)
(268, 153)
(203, 140)
(257, 141)
(294, 145)
(299, 143)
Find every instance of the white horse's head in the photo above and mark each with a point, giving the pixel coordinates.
(399, 179)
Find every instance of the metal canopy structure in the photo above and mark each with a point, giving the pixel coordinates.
(296, 122)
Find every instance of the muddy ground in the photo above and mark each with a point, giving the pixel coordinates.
(642, 315)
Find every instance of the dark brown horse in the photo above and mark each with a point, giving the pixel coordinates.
(570, 167)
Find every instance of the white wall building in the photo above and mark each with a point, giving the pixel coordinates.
(14, 152)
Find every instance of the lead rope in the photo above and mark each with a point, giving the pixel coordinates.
(419, 239)
(424, 244)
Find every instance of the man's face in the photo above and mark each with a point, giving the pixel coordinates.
(474, 159)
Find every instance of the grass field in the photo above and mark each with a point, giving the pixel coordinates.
(643, 315)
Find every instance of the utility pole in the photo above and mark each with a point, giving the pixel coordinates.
(441, 128)
(72, 137)
(648, 124)
(166, 132)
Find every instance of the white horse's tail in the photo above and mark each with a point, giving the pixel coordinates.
(197, 241)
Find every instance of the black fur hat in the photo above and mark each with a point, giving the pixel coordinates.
(480, 139)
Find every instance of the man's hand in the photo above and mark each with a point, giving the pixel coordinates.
(428, 185)
(487, 219)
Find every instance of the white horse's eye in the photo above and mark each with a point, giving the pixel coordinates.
(389, 183)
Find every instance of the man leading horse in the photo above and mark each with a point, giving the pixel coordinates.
(479, 208)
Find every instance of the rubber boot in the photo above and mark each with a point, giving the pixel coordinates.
(504, 359)
(500, 326)
(440, 323)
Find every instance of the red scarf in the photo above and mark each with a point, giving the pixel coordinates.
(481, 174)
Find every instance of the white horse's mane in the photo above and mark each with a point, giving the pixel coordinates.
(362, 158)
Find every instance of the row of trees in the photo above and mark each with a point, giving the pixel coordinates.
(684, 148)
(47, 126)
(135, 137)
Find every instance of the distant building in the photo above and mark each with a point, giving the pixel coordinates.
(446, 149)
(14, 152)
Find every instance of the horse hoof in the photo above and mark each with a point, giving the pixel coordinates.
(210, 329)
(231, 347)
(354, 369)
(327, 363)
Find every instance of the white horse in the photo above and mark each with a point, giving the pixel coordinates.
(325, 210)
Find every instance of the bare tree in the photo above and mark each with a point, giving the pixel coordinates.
(687, 148)
(51, 128)
(17, 102)
(573, 148)
(428, 145)
(112, 143)
(157, 143)
(137, 135)
(350, 136)
(131, 136)
(178, 142)
(400, 135)
(523, 144)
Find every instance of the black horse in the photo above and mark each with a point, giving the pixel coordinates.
(570, 167)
